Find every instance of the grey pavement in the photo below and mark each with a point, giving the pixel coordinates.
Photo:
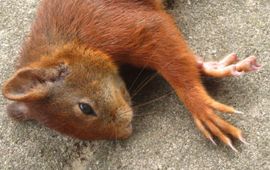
(164, 134)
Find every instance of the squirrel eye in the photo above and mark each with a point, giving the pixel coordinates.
(87, 109)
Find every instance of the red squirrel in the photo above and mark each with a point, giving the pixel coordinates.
(67, 77)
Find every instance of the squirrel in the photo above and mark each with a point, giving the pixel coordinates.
(67, 76)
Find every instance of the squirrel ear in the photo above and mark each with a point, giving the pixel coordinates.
(29, 84)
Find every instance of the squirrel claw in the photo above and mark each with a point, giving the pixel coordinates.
(212, 140)
(238, 112)
(256, 67)
(243, 140)
(232, 147)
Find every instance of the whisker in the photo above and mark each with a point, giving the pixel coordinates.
(148, 102)
(147, 81)
(140, 84)
(133, 83)
(143, 115)
(143, 68)
(156, 99)
(144, 84)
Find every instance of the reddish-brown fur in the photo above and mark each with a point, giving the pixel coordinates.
(78, 42)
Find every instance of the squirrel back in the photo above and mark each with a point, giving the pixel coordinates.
(123, 29)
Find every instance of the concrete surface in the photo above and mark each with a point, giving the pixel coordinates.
(164, 134)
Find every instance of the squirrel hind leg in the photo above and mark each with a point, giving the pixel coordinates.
(18, 111)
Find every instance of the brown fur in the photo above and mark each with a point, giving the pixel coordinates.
(71, 54)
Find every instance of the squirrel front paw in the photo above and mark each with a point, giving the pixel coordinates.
(211, 124)
(228, 66)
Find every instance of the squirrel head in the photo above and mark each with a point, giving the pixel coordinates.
(76, 91)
